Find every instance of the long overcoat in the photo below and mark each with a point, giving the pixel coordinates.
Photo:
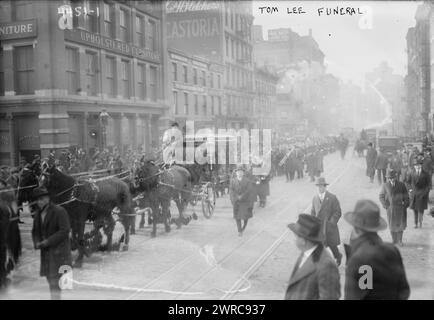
(329, 212)
(389, 281)
(241, 195)
(316, 279)
(395, 200)
(55, 229)
(420, 187)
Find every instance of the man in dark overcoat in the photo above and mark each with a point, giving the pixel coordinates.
(419, 182)
(315, 275)
(241, 194)
(381, 165)
(394, 198)
(374, 269)
(326, 207)
(371, 157)
(50, 234)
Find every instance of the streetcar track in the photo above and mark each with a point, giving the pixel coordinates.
(232, 291)
(333, 167)
(204, 274)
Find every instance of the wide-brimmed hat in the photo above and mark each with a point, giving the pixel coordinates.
(307, 227)
(39, 192)
(391, 174)
(366, 216)
(321, 181)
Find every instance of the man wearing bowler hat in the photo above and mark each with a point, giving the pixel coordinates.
(315, 275)
(326, 207)
(50, 234)
(394, 198)
(374, 269)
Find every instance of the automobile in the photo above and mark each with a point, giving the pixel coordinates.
(389, 143)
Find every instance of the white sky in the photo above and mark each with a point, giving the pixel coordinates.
(350, 51)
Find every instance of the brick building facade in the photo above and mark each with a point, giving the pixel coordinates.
(62, 63)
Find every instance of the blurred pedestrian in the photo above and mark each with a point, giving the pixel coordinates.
(315, 275)
(381, 164)
(326, 207)
(374, 269)
(419, 185)
(394, 198)
(371, 157)
(50, 234)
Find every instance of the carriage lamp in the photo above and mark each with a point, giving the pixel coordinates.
(103, 118)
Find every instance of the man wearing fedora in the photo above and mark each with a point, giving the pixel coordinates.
(315, 275)
(240, 192)
(419, 187)
(50, 234)
(326, 207)
(394, 198)
(374, 269)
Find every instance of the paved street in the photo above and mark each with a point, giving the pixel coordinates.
(208, 260)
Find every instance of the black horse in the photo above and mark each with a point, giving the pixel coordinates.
(159, 187)
(90, 200)
(28, 180)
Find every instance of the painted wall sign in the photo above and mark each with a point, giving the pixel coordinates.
(18, 30)
(103, 42)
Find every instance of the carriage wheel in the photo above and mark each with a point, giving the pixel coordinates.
(208, 200)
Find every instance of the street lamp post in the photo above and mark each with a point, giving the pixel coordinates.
(103, 120)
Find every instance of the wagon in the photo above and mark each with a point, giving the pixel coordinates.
(214, 176)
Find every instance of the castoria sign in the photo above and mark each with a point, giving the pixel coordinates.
(195, 27)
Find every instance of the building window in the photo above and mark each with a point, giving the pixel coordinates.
(108, 20)
(219, 101)
(140, 31)
(211, 80)
(152, 35)
(142, 81)
(23, 61)
(2, 75)
(227, 17)
(233, 48)
(175, 101)
(123, 23)
(196, 104)
(204, 106)
(91, 20)
(203, 78)
(195, 76)
(72, 70)
(22, 10)
(174, 71)
(111, 76)
(125, 76)
(185, 74)
(153, 83)
(212, 105)
(219, 81)
(227, 46)
(185, 103)
(91, 80)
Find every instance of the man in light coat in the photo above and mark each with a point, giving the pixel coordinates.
(326, 207)
(315, 275)
(394, 198)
